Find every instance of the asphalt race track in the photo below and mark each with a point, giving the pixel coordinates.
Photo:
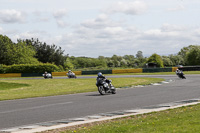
(15, 113)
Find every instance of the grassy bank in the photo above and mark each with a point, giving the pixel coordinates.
(180, 120)
(50, 87)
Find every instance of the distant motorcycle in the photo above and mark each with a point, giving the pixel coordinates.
(71, 75)
(104, 87)
(47, 75)
(181, 75)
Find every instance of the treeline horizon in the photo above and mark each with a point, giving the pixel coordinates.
(32, 51)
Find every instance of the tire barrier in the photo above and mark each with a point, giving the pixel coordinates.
(65, 73)
(127, 71)
(31, 74)
(149, 70)
(96, 72)
(10, 75)
(174, 69)
(190, 68)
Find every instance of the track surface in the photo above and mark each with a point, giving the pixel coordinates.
(14, 113)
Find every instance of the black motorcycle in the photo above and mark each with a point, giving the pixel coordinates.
(105, 87)
(181, 75)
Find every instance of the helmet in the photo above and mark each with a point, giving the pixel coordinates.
(69, 71)
(99, 74)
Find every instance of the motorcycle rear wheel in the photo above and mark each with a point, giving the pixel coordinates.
(101, 90)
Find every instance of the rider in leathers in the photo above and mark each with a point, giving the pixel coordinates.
(103, 77)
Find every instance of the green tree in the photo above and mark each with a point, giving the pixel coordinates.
(116, 60)
(47, 53)
(15, 53)
(139, 54)
(176, 60)
(193, 56)
(140, 60)
(5, 46)
(68, 64)
(155, 58)
(23, 54)
(130, 59)
(183, 52)
(167, 61)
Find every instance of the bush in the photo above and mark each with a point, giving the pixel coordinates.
(30, 68)
(2, 69)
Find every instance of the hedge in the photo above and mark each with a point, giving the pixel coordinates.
(30, 68)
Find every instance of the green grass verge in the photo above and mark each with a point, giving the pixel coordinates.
(8, 86)
(180, 120)
(51, 87)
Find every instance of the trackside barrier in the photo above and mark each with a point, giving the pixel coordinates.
(31, 74)
(96, 72)
(10, 75)
(196, 68)
(127, 71)
(149, 70)
(139, 70)
(65, 73)
(174, 69)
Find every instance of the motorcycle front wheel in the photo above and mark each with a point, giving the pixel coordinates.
(114, 91)
(101, 90)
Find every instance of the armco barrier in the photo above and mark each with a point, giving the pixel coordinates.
(190, 68)
(65, 73)
(10, 75)
(31, 74)
(127, 71)
(96, 72)
(149, 70)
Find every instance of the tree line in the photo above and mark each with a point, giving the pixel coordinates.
(32, 51)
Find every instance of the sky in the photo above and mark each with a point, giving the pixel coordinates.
(93, 28)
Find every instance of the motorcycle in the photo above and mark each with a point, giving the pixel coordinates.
(71, 75)
(104, 87)
(181, 75)
(47, 75)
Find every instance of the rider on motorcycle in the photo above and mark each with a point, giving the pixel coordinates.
(45, 74)
(101, 76)
(70, 73)
(178, 71)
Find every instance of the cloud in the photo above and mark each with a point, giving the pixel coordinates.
(1, 30)
(12, 16)
(172, 27)
(166, 32)
(43, 36)
(62, 24)
(41, 16)
(60, 13)
(130, 8)
(101, 21)
(122, 40)
(178, 8)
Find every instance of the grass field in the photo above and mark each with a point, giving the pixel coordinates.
(180, 120)
(18, 89)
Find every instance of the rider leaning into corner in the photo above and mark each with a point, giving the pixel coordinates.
(70, 73)
(178, 71)
(100, 75)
